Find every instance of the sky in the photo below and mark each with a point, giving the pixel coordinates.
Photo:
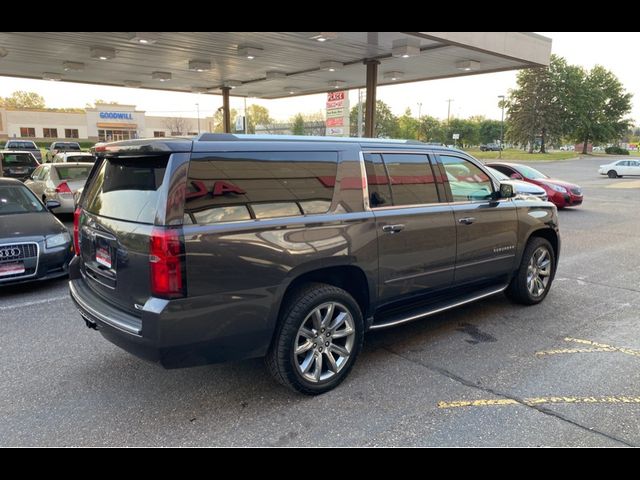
(471, 95)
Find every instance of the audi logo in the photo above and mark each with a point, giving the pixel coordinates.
(9, 252)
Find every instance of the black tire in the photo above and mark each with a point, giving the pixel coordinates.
(281, 361)
(612, 174)
(518, 290)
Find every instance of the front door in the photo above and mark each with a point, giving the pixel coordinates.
(486, 228)
(416, 231)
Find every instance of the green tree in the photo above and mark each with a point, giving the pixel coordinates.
(468, 131)
(598, 108)
(386, 121)
(218, 120)
(489, 130)
(257, 115)
(430, 129)
(297, 127)
(536, 108)
(408, 126)
(21, 99)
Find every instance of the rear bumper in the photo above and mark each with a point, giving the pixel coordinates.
(173, 333)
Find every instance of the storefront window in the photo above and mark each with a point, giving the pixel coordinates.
(27, 132)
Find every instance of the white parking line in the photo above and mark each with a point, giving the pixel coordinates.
(35, 302)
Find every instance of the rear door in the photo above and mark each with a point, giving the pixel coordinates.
(119, 211)
(487, 229)
(415, 227)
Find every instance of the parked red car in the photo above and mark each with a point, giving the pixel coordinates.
(561, 193)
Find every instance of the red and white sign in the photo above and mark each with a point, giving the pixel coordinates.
(337, 107)
(11, 269)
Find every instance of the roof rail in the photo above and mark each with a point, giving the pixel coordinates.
(213, 137)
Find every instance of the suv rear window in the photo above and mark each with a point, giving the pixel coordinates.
(234, 186)
(127, 189)
(21, 145)
(19, 159)
(80, 158)
(67, 146)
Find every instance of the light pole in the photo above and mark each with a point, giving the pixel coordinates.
(198, 110)
(501, 97)
(449, 100)
(419, 110)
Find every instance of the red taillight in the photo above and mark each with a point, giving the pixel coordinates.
(63, 188)
(76, 230)
(165, 261)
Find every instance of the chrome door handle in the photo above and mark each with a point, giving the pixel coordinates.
(466, 220)
(392, 228)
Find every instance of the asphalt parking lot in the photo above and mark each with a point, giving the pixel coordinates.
(563, 373)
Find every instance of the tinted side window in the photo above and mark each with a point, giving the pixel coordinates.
(505, 170)
(412, 180)
(232, 186)
(466, 180)
(377, 180)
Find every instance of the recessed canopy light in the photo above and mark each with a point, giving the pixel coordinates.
(468, 65)
(291, 90)
(406, 47)
(145, 38)
(102, 53)
(73, 66)
(54, 77)
(393, 76)
(249, 52)
(337, 83)
(275, 74)
(3, 52)
(331, 65)
(132, 83)
(324, 36)
(162, 76)
(232, 83)
(199, 65)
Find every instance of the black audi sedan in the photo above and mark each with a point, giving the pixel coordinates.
(34, 244)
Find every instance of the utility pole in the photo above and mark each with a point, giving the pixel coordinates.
(419, 110)
(359, 113)
(501, 97)
(449, 100)
(198, 109)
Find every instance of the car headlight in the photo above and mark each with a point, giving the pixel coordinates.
(557, 188)
(52, 241)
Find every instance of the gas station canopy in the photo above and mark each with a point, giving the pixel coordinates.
(263, 64)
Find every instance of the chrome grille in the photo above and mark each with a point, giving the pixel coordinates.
(18, 251)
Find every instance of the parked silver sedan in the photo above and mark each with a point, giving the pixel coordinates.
(59, 181)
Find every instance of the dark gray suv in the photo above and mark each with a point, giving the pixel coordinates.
(228, 247)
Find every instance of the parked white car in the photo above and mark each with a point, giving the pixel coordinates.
(65, 157)
(620, 168)
(59, 181)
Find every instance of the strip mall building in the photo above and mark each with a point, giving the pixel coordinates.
(104, 123)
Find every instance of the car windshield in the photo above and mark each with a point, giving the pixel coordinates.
(68, 146)
(22, 145)
(22, 159)
(499, 175)
(530, 173)
(18, 199)
(79, 172)
(80, 158)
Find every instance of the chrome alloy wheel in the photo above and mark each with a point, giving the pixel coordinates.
(539, 271)
(324, 342)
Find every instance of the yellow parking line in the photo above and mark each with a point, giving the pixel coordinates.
(574, 350)
(538, 401)
(628, 351)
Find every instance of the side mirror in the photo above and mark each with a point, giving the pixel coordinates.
(506, 191)
(51, 204)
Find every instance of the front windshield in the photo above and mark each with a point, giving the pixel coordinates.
(499, 175)
(530, 173)
(18, 199)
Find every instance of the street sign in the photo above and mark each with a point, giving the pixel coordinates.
(456, 136)
(239, 123)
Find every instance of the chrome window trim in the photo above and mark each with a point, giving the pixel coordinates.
(35, 272)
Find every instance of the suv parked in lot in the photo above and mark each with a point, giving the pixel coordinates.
(25, 146)
(490, 147)
(57, 147)
(231, 246)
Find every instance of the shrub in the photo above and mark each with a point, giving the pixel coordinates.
(616, 151)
